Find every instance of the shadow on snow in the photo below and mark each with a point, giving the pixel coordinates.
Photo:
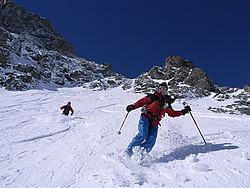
(182, 152)
(44, 136)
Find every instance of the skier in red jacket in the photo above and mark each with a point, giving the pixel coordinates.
(154, 106)
(67, 108)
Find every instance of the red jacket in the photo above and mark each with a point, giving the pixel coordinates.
(67, 108)
(155, 107)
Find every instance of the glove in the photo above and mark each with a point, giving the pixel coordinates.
(130, 107)
(186, 109)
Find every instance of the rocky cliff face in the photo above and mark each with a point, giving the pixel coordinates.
(16, 22)
(32, 53)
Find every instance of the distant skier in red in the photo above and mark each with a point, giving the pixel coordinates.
(67, 108)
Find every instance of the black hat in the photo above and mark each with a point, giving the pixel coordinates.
(164, 84)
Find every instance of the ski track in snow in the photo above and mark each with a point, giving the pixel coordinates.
(39, 147)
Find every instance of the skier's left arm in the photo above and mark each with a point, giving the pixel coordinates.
(176, 113)
(72, 111)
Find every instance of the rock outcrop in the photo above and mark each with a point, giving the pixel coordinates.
(182, 77)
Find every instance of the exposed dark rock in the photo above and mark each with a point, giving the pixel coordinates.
(177, 62)
(247, 88)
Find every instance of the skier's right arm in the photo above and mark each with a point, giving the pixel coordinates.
(143, 101)
(63, 107)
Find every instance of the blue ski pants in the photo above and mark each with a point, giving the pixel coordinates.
(146, 136)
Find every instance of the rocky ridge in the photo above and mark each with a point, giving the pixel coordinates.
(239, 100)
(33, 54)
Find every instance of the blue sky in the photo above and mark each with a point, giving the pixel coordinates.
(135, 35)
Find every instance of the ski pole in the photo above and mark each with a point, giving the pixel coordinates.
(119, 132)
(184, 103)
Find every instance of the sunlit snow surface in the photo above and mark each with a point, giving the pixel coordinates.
(39, 147)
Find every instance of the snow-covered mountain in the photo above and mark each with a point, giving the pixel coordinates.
(33, 54)
(39, 147)
(42, 148)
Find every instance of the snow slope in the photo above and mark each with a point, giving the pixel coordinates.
(39, 147)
